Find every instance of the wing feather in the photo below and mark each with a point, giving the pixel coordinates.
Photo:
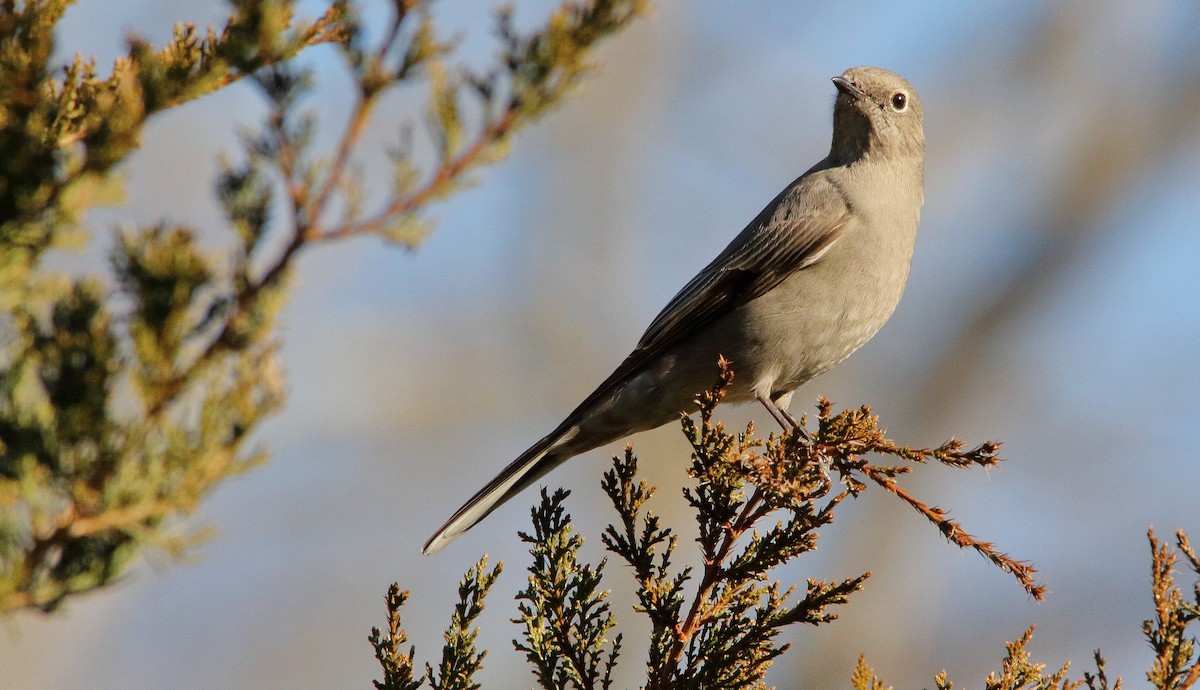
(792, 233)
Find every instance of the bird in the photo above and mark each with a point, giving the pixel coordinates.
(807, 282)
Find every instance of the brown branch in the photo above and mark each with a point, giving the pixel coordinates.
(302, 237)
(563, 638)
(956, 535)
(752, 511)
(73, 524)
(446, 174)
(123, 519)
(354, 130)
(1191, 678)
(361, 115)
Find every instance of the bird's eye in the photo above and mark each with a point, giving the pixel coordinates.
(899, 101)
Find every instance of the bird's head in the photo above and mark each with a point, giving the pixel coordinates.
(877, 113)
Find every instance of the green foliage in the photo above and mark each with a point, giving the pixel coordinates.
(1176, 663)
(1019, 672)
(565, 614)
(121, 410)
(460, 658)
(397, 664)
(863, 677)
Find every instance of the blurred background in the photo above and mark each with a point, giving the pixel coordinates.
(1054, 304)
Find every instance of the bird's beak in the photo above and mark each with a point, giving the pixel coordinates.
(847, 87)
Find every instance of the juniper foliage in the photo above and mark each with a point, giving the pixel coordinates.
(126, 397)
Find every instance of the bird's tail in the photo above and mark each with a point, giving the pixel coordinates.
(520, 473)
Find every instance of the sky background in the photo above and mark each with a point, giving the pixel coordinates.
(1054, 304)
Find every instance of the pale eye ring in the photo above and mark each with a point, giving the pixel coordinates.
(899, 101)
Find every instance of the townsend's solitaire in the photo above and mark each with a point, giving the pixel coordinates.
(807, 282)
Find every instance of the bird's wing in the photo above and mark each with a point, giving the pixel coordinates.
(759, 258)
(792, 233)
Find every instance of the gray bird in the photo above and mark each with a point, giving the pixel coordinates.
(806, 283)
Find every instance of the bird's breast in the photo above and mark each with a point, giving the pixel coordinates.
(819, 315)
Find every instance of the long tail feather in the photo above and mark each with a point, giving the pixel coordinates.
(520, 473)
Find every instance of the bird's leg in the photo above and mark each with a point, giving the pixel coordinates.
(778, 410)
(786, 421)
(793, 421)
